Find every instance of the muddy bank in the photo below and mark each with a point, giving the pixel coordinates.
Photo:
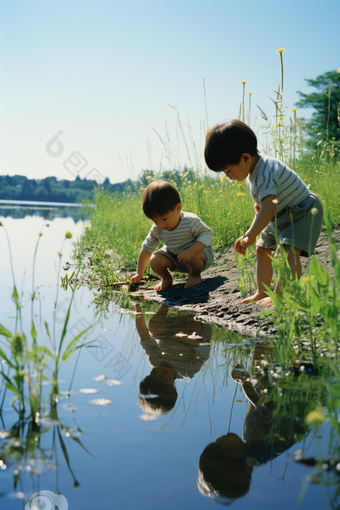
(217, 299)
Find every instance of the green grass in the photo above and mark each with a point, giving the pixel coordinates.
(118, 225)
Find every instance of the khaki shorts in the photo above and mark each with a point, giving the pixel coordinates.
(296, 226)
(183, 268)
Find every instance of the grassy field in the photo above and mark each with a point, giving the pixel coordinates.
(118, 225)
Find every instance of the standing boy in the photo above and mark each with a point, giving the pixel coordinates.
(186, 239)
(231, 148)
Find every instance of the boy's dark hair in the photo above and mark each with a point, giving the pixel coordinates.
(159, 198)
(225, 143)
(156, 396)
(221, 477)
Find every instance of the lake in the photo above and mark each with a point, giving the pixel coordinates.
(155, 410)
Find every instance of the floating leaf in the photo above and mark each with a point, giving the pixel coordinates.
(101, 402)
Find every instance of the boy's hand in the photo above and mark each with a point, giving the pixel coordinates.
(247, 241)
(185, 256)
(136, 278)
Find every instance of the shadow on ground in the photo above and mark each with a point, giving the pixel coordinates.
(199, 294)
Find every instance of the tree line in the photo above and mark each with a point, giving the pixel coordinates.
(19, 187)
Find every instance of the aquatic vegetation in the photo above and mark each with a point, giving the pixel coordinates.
(27, 366)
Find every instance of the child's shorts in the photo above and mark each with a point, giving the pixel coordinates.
(296, 226)
(183, 268)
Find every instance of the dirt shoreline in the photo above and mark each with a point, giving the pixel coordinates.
(216, 300)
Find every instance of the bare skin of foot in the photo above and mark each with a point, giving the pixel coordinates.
(164, 284)
(267, 301)
(192, 281)
(258, 298)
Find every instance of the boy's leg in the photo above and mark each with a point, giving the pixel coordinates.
(264, 274)
(160, 264)
(195, 268)
(295, 266)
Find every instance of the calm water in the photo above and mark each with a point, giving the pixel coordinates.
(167, 384)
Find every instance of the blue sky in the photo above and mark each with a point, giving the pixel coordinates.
(105, 72)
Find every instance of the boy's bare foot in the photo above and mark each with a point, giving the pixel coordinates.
(267, 301)
(164, 284)
(258, 299)
(192, 281)
(255, 297)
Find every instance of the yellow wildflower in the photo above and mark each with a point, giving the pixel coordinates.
(315, 418)
(294, 109)
(305, 280)
(280, 50)
(244, 81)
(223, 177)
(142, 189)
(338, 71)
(239, 185)
(277, 125)
(250, 93)
(207, 192)
(240, 194)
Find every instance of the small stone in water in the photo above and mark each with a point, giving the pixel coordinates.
(100, 378)
(194, 335)
(101, 402)
(113, 382)
(148, 417)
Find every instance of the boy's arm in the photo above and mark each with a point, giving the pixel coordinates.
(203, 235)
(186, 255)
(261, 220)
(143, 259)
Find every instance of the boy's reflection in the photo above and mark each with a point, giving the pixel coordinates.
(177, 346)
(273, 424)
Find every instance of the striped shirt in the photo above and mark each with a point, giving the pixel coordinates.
(190, 229)
(272, 177)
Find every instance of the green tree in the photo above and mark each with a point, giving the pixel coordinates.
(325, 101)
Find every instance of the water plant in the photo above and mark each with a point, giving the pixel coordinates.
(27, 365)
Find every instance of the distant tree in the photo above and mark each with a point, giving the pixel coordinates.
(47, 184)
(26, 189)
(106, 183)
(325, 101)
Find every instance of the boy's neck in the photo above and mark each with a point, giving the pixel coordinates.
(253, 163)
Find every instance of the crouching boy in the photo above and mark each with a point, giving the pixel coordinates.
(186, 239)
(282, 202)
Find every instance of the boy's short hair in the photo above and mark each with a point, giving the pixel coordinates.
(220, 478)
(155, 396)
(159, 198)
(226, 142)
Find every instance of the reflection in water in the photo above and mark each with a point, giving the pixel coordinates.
(275, 421)
(47, 212)
(177, 347)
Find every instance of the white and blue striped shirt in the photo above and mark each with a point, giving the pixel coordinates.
(190, 229)
(272, 177)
